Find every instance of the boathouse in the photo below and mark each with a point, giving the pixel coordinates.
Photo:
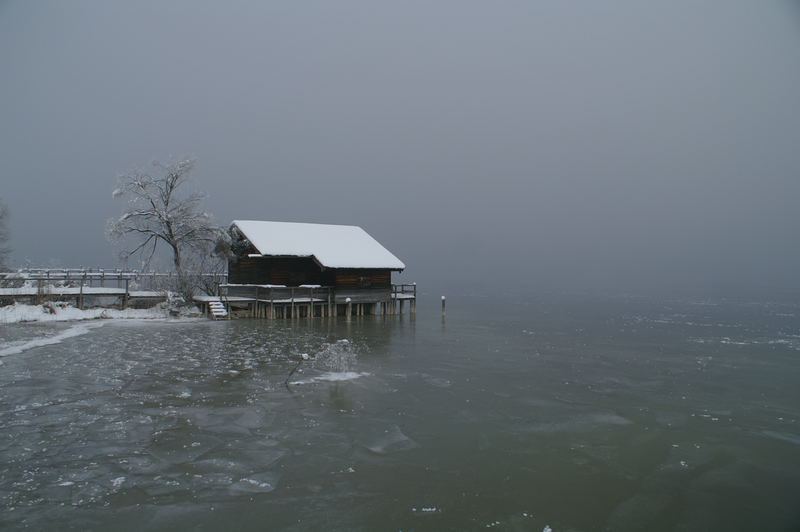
(285, 269)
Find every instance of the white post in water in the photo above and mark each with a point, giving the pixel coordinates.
(80, 296)
(349, 306)
(444, 301)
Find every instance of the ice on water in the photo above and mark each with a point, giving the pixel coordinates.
(160, 422)
(20, 346)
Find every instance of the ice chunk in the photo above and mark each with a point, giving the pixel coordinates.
(392, 440)
(426, 510)
(256, 483)
(333, 376)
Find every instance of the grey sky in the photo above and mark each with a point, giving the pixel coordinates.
(615, 145)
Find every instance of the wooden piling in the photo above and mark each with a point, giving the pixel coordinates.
(126, 296)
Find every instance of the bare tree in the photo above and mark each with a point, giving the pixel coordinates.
(5, 251)
(160, 214)
(208, 271)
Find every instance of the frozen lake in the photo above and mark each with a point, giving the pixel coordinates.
(576, 413)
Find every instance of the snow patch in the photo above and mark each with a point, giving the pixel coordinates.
(19, 312)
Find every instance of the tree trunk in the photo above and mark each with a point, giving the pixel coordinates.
(181, 287)
(176, 259)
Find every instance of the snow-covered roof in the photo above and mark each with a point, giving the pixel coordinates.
(333, 246)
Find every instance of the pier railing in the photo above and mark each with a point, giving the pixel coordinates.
(285, 294)
(267, 292)
(154, 281)
(91, 277)
(404, 290)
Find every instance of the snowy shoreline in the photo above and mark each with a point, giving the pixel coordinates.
(23, 313)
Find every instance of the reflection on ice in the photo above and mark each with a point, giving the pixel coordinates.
(581, 423)
(783, 436)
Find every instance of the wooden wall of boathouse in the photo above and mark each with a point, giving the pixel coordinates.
(295, 271)
(289, 271)
(363, 278)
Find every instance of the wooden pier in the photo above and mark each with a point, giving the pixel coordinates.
(264, 301)
(82, 286)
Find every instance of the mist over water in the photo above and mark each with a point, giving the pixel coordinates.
(624, 147)
(574, 412)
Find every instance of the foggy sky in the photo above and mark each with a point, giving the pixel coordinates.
(620, 145)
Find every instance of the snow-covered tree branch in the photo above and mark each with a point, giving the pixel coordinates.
(160, 214)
